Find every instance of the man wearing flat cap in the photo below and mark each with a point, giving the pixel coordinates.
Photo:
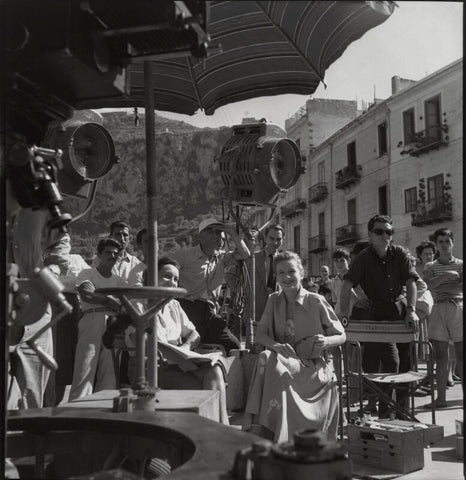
(202, 273)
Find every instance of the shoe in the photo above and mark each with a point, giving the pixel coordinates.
(450, 383)
(437, 405)
(426, 388)
(370, 407)
(421, 393)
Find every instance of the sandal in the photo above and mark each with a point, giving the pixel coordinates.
(436, 404)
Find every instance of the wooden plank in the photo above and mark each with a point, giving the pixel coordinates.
(203, 402)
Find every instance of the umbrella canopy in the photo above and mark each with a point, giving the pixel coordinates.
(265, 48)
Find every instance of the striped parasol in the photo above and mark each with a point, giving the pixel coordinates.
(259, 48)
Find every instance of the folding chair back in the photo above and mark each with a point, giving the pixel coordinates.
(379, 331)
(385, 332)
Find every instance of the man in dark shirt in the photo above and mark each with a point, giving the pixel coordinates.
(382, 269)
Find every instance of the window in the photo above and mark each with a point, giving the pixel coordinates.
(351, 153)
(383, 200)
(321, 172)
(382, 136)
(351, 211)
(408, 126)
(297, 239)
(432, 115)
(435, 190)
(321, 220)
(411, 200)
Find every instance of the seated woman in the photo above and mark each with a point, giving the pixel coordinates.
(294, 385)
(174, 327)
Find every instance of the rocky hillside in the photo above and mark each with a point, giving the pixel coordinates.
(188, 182)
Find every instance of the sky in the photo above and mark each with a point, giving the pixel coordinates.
(418, 39)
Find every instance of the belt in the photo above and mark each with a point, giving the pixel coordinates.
(203, 300)
(456, 301)
(97, 309)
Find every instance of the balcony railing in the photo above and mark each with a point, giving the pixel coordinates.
(347, 234)
(293, 208)
(318, 244)
(429, 213)
(318, 192)
(432, 138)
(347, 176)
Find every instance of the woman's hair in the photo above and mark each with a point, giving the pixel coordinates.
(108, 242)
(167, 261)
(423, 245)
(323, 290)
(139, 235)
(284, 256)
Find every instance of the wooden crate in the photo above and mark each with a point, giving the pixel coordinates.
(459, 444)
(430, 433)
(400, 452)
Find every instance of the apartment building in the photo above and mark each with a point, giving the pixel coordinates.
(403, 157)
(426, 167)
(308, 127)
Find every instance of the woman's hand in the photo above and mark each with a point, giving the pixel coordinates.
(321, 341)
(285, 349)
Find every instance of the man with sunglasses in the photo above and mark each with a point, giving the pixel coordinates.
(382, 270)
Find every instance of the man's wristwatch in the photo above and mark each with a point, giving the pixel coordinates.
(344, 320)
(410, 307)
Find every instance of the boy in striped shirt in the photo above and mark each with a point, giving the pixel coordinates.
(444, 278)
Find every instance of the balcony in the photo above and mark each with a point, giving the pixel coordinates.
(347, 176)
(429, 213)
(294, 208)
(318, 192)
(347, 234)
(318, 244)
(432, 138)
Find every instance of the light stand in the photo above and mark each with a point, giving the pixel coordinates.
(256, 164)
(144, 389)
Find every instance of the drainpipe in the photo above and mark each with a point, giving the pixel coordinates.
(389, 153)
(331, 202)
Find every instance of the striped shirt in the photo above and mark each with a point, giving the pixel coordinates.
(446, 291)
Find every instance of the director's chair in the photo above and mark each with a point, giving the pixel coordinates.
(373, 383)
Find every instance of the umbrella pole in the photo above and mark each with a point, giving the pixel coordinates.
(151, 176)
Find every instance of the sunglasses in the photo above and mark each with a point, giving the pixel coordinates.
(381, 231)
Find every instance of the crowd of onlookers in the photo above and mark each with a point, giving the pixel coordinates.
(299, 320)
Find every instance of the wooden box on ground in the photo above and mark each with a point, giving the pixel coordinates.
(459, 443)
(430, 433)
(387, 449)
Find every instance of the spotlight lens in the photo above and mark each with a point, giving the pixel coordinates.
(284, 164)
(92, 151)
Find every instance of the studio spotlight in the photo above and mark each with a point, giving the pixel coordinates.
(88, 154)
(257, 162)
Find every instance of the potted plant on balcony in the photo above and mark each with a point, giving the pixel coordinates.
(422, 191)
(447, 203)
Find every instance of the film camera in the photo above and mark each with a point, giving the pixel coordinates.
(75, 54)
(309, 455)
